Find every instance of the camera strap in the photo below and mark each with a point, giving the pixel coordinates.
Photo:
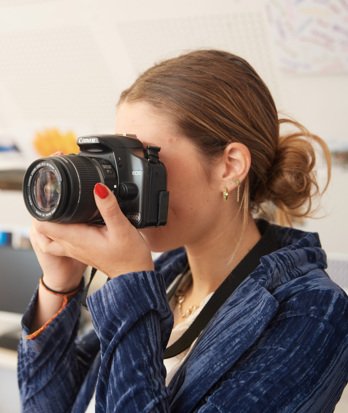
(264, 246)
(86, 288)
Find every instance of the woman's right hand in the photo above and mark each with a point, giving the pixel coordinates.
(60, 273)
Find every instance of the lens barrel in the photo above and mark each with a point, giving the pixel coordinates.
(60, 189)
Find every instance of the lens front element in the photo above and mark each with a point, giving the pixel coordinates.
(42, 189)
(46, 189)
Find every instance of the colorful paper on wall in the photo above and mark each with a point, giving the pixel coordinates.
(311, 35)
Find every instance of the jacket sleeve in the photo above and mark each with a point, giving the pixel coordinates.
(300, 364)
(133, 321)
(52, 366)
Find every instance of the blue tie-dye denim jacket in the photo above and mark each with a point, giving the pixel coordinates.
(278, 344)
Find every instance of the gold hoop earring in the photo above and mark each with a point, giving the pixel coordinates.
(225, 194)
(237, 182)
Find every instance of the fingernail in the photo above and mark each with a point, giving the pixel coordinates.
(101, 190)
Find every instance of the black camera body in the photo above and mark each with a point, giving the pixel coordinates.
(60, 188)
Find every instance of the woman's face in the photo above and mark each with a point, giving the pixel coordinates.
(194, 192)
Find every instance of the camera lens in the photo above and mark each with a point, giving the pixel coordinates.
(60, 189)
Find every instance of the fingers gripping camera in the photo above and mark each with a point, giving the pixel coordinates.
(60, 188)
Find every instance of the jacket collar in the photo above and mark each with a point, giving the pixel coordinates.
(300, 253)
(244, 316)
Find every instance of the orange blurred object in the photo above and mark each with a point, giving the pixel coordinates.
(52, 140)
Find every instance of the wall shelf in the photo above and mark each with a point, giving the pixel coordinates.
(11, 179)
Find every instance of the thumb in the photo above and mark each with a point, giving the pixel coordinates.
(108, 206)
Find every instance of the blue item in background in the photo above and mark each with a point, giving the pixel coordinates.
(5, 239)
(9, 148)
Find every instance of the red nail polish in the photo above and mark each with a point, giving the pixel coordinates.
(101, 191)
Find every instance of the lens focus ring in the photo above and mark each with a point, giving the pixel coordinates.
(84, 174)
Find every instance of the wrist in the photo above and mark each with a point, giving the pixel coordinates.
(67, 291)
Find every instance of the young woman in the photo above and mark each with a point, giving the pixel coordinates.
(274, 336)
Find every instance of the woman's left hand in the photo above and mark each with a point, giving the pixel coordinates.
(114, 248)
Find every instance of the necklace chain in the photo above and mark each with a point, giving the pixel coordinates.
(180, 298)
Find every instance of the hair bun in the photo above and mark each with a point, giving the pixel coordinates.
(292, 182)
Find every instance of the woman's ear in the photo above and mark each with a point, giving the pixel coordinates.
(235, 164)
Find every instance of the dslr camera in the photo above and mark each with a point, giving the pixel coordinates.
(60, 188)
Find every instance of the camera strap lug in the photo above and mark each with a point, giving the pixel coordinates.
(151, 153)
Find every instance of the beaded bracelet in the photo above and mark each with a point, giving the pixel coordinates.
(62, 293)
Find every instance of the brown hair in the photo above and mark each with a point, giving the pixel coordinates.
(215, 98)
